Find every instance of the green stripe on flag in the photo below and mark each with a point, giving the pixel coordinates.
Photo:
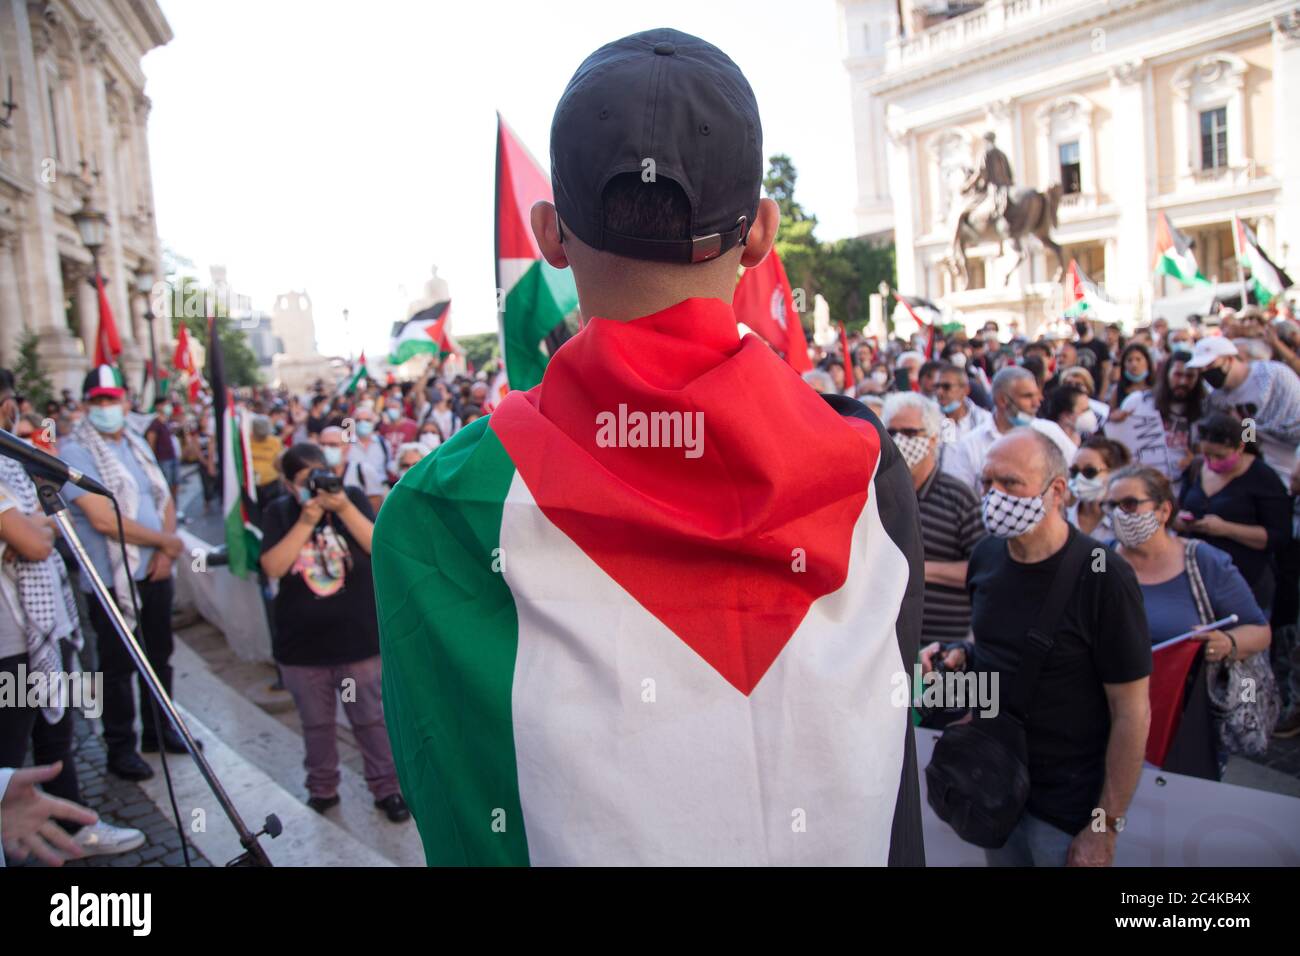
(449, 636)
(410, 348)
(535, 305)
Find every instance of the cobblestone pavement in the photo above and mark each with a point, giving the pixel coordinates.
(123, 803)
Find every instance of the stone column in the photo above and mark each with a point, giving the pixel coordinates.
(902, 174)
(1286, 137)
(1127, 268)
(12, 325)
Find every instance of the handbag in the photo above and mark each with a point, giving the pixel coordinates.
(1244, 699)
(978, 778)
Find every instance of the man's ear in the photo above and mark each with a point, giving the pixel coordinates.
(761, 234)
(546, 230)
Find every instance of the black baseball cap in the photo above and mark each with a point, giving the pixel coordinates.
(670, 97)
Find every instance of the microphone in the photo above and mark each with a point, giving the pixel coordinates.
(41, 464)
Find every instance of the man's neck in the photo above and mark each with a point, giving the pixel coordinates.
(1041, 543)
(960, 412)
(1001, 422)
(924, 469)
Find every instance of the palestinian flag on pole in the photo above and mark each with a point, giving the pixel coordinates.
(1086, 299)
(532, 297)
(358, 376)
(918, 307)
(612, 638)
(1174, 256)
(1267, 281)
(238, 492)
(426, 333)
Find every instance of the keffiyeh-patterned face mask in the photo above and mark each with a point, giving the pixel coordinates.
(913, 448)
(1006, 516)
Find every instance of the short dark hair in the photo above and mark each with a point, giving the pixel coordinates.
(1061, 400)
(1224, 428)
(657, 209)
(300, 456)
(1114, 454)
(933, 366)
(7, 381)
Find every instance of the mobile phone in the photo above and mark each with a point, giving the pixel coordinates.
(1186, 516)
(902, 380)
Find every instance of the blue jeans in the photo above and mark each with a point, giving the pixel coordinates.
(1033, 842)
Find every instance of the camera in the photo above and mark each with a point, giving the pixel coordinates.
(322, 481)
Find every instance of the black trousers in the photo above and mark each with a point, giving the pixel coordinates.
(154, 632)
(50, 743)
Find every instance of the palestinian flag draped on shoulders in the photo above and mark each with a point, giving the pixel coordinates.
(533, 296)
(626, 620)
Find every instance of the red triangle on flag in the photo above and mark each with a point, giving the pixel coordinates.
(107, 344)
(1169, 669)
(520, 184)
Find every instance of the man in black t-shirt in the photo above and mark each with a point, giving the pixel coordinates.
(1089, 713)
(1093, 355)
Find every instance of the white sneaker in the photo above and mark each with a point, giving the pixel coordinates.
(104, 839)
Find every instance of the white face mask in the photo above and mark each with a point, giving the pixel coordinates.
(1087, 489)
(1006, 516)
(879, 378)
(1133, 531)
(913, 448)
(958, 359)
(1085, 423)
(430, 440)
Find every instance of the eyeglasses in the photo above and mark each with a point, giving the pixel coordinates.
(1129, 505)
(909, 432)
(1088, 471)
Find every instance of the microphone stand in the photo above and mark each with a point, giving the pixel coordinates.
(54, 505)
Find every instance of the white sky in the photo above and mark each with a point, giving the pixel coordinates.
(345, 148)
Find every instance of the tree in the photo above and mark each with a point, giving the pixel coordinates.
(845, 272)
(480, 349)
(28, 374)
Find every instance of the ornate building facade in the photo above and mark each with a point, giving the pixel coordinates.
(71, 69)
(1135, 107)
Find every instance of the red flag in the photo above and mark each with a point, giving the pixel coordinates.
(1169, 668)
(764, 303)
(848, 359)
(107, 344)
(182, 360)
(929, 345)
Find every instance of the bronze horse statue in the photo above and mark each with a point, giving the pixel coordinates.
(1028, 212)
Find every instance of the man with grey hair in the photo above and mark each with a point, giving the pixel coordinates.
(952, 391)
(1085, 707)
(820, 381)
(1016, 397)
(950, 515)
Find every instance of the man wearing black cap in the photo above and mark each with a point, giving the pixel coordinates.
(103, 448)
(630, 618)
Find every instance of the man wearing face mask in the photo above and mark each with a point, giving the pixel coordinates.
(950, 515)
(369, 447)
(103, 448)
(952, 390)
(1016, 398)
(1087, 712)
(1268, 393)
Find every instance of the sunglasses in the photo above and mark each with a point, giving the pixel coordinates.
(1088, 471)
(909, 432)
(1129, 505)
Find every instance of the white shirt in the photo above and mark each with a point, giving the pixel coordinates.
(372, 453)
(360, 474)
(965, 460)
(972, 420)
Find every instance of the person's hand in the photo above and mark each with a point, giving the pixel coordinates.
(1090, 848)
(312, 511)
(1217, 645)
(160, 567)
(954, 660)
(334, 501)
(1211, 525)
(172, 546)
(27, 818)
(1118, 415)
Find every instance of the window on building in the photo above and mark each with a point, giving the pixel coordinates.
(1214, 138)
(1071, 171)
(975, 273)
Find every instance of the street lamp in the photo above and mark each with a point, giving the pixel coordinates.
(93, 226)
(144, 285)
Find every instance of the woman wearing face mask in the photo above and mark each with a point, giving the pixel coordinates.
(1068, 406)
(1233, 500)
(1093, 463)
(1141, 504)
(1136, 373)
(326, 635)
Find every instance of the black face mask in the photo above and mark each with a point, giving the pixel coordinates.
(1215, 376)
